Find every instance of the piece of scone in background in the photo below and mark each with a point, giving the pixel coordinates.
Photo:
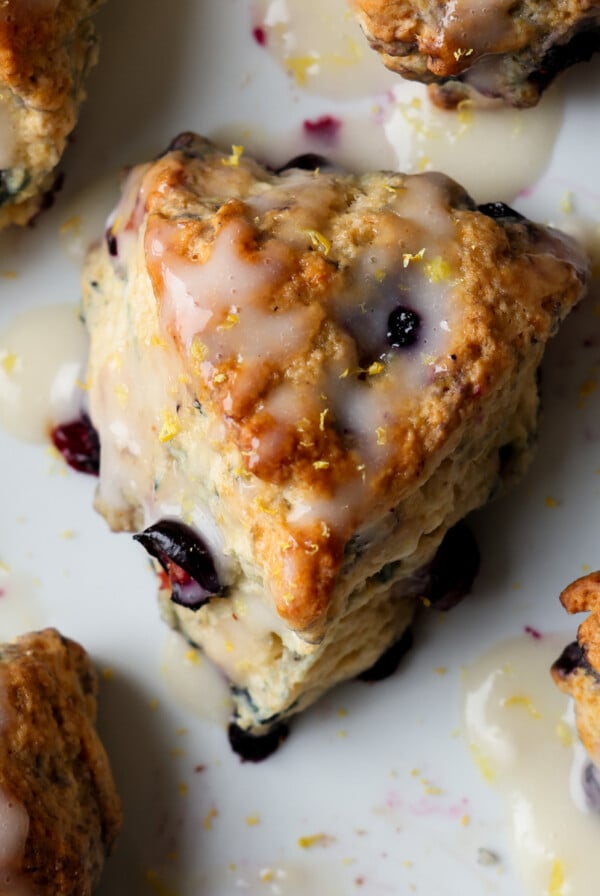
(498, 49)
(59, 810)
(577, 670)
(47, 48)
(301, 381)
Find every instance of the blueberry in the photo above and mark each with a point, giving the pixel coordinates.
(308, 161)
(111, 242)
(79, 445)
(500, 212)
(388, 662)
(403, 327)
(454, 568)
(186, 559)
(591, 786)
(256, 747)
(570, 659)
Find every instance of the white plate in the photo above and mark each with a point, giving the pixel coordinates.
(347, 770)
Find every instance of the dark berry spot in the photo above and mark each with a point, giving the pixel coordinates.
(260, 36)
(389, 661)
(403, 327)
(571, 658)
(187, 561)
(325, 127)
(256, 747)
(79, 445)
(111, 242)
(454, 568)
(308, 161)
(500, 212)
(533, 632)
(591, 786)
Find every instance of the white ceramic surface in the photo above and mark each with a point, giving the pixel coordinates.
(381, 772)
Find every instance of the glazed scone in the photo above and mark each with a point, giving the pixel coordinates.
(47, 48)
(59, 810)
(577, 671)
(300, 382)
(498, 49)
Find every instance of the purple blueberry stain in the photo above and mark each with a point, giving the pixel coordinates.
(590, 780)
(186, 559)
(79, 445)
(532, 632)
(325, 128)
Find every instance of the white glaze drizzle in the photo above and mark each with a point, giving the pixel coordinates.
(520, 730)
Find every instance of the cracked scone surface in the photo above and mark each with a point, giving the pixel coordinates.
(577, 670)
(319, 375)
(47, 48)
(59, 810)
(499, 49)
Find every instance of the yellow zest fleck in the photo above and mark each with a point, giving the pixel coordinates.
(72, 223)
(407, 863)
(564, 734)
(170, 427)
(9, 362)
(458, 54)
(566, 203)
(409, 257)
(233, 160)
(319, 241)
(465, 112)
(585, 567)
(177, 753)
(266, 875)
(483, 764)
(220, 378)
(525, 702)
(430, 789)
(342, 733)
(208, 819)
(181, 731)
(549, 501)
(321, 464)
(68, 534)
(157, 341)
(182, 788)
(192, 657)
(230, 321)
(300, 66)
(415, 772)
(252, 820)
(184, 379)
(380, 275)
(108, 674)
(153, 704)
(322, 416)
(440, 670)
(325, 530)
(381, 434)
(229, 646)
(342, 713)
(465, 821)
(122, 393)
(84, 386)
(423, 163)
(344, 373)
(287, 598)
(585, 390)
(375, 368)
(287, 545)
(9, 275)
(314, 840)
(556, 884)
(437, 270)
(311, 548)
(266, 508)
(198, 351)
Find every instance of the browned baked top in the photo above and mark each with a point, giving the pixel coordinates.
(54, 766)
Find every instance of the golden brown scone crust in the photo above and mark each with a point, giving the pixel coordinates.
(246, 381)
(499, 49)
(46, 50)
(577, 672)
(53, 764)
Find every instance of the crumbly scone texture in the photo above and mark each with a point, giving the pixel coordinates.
(577, 672)
(242, 380)
(54, 767)
(501, 49)
(46, 50)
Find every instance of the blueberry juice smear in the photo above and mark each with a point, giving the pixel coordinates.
(79, 445)
(187, 561)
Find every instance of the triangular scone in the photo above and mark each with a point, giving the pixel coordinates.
(319, 374)
(46, 50)
(499, 50)
(577, 671)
